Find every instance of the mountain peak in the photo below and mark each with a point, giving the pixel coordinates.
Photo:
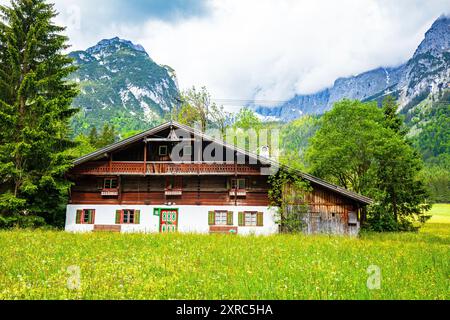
(114, 44)
(437, 39)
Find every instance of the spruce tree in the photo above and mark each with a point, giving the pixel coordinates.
(35, 108)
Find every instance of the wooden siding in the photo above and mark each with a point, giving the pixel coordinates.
(205, 190)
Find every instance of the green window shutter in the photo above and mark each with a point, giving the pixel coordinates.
(118, 216)
(230, 218)
(91, 216)
(211, 218)
(241, 219)
(260, 219)
(228, 184)
(137, 217)
(79, 215)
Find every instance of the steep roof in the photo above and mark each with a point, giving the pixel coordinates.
(139, 137)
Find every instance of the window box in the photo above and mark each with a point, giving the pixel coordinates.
(223, 230)
(174, 193)
(238, 193)
(110, 192)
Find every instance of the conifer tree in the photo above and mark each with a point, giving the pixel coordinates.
(35, 108)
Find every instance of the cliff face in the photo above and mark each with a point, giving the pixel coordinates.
(427, 73)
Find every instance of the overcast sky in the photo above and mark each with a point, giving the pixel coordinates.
(262, 49)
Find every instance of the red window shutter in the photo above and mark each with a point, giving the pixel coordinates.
(92, 217)
(260, 219)
(79, 216)
(119, 217)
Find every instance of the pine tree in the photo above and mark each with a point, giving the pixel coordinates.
(391, 116)
(93, 137)
(35, 108)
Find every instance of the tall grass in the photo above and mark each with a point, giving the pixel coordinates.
(34, 265)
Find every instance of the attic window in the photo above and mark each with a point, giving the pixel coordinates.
(163, 151)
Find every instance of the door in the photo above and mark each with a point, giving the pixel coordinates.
(169, 220)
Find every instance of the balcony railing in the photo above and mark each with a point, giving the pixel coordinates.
(165, 168)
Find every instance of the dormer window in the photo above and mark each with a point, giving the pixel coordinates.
(163, 151)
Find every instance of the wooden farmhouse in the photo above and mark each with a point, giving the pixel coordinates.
(173, 178)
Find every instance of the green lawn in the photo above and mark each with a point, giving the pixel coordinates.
(34, 265)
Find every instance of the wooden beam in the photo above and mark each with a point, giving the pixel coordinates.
(145, 158)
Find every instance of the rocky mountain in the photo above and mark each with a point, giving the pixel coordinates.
(426, 75)
(122, 85)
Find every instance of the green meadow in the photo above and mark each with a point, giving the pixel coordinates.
(58, 265)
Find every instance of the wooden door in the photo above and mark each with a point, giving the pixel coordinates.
(169, 220)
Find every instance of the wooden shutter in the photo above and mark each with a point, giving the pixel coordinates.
(230, 218)
(241, 219)
(211, 218)
(137, 217)
(119, 217)
(260, 219)
(79, 215)
(228, 184)
(91, 216)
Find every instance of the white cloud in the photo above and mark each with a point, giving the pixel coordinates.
(264, 49)
(280, 48)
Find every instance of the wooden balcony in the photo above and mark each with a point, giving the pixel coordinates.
(165, 168)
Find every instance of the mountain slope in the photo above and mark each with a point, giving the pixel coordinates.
(427, 73)
(121, 84)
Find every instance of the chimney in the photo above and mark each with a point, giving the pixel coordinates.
(264, 152)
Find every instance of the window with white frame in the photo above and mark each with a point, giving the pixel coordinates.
(221, 218)
(251, 219)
